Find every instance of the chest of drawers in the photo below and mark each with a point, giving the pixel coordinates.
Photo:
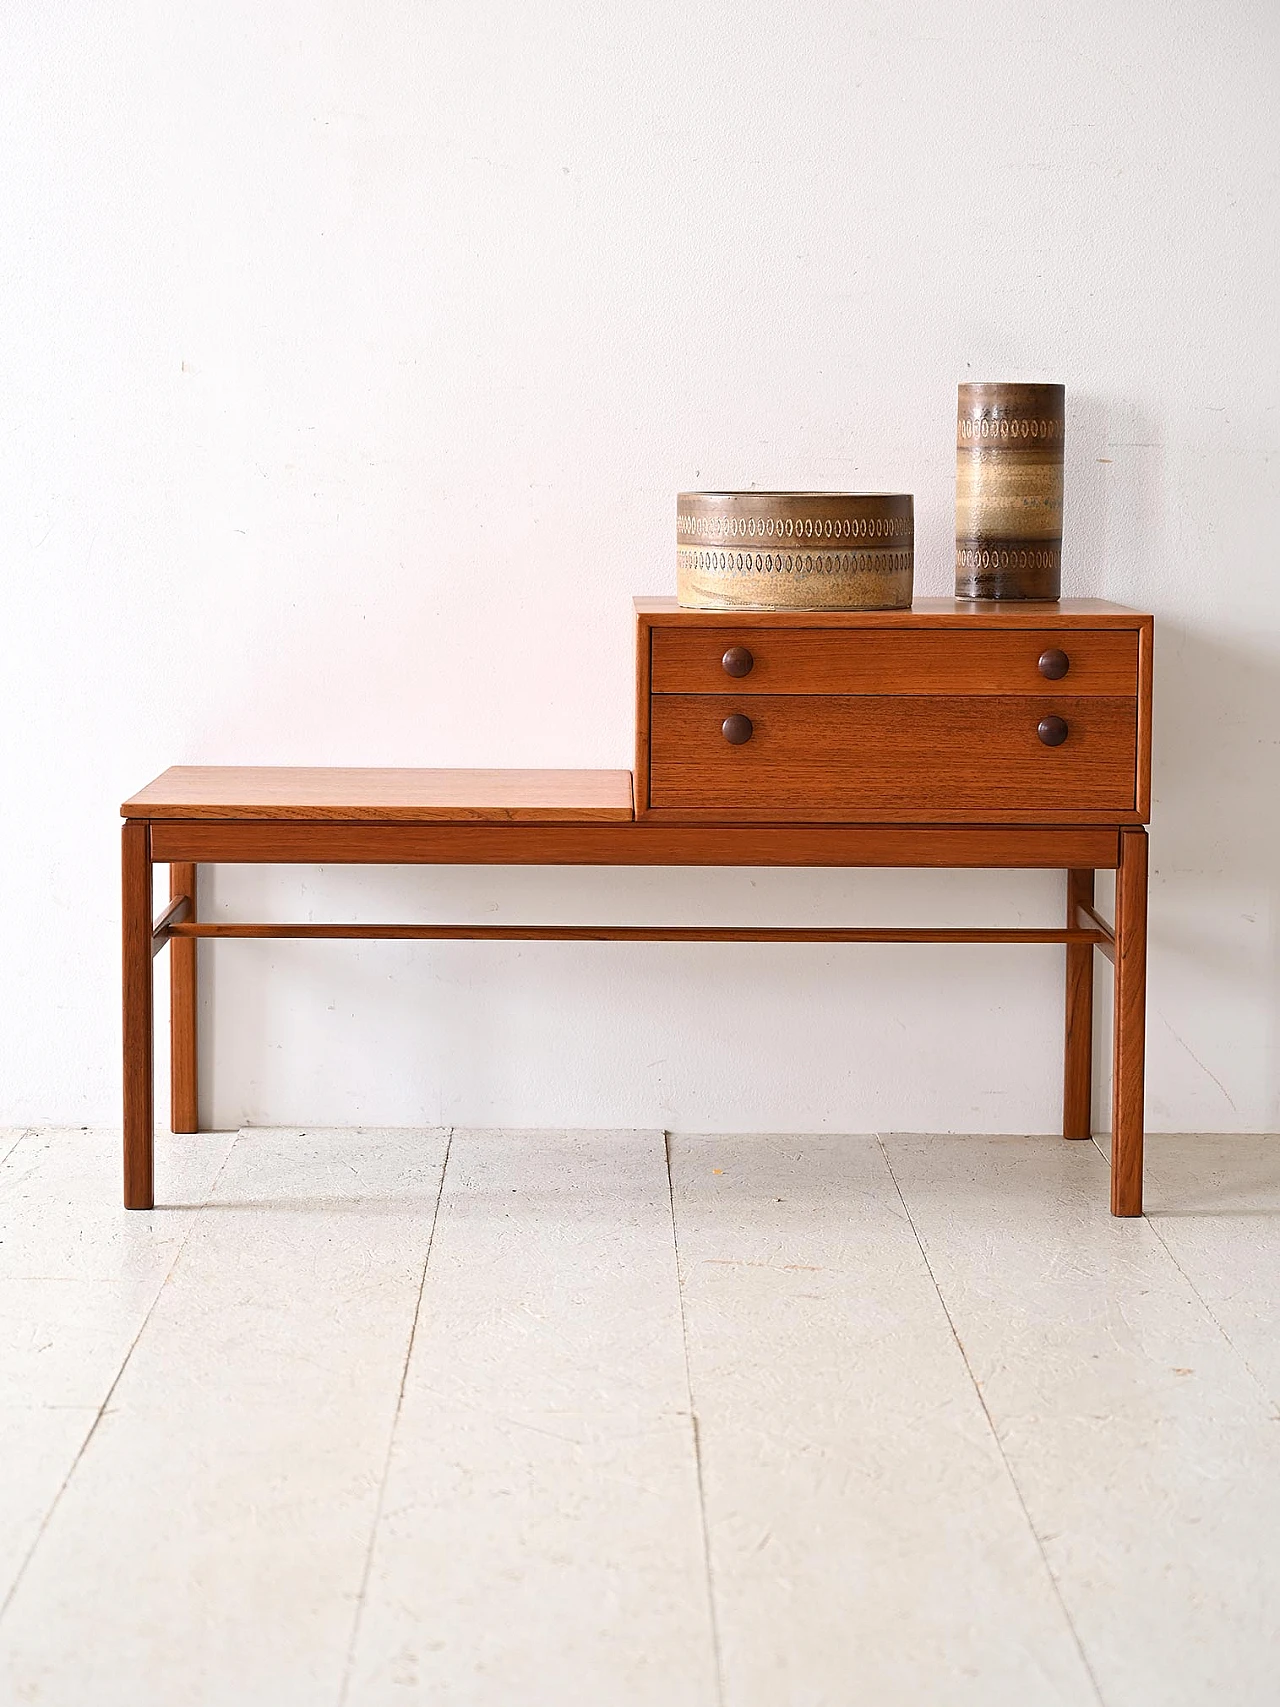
(946, 714)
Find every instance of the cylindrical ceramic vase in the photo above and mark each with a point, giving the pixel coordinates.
(794, 550)
(1009, 491)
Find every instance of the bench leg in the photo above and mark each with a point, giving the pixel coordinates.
(1128, 1069)
(135, 865)
(1077, 1078)
(183, 1044)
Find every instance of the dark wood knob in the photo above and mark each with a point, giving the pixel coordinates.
(736, 729)
(1053, 664)
(1052, 731)
(737, 661)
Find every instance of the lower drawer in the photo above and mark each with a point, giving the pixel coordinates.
(862, 755)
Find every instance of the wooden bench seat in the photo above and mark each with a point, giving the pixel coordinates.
(208, 814)
(296, 793)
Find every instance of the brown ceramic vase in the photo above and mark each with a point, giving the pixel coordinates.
(1009, 442)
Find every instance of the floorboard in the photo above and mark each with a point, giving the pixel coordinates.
(78, 1278)
(211, 1543)
(1148, 1457)
(1214, 1203)
(866, 1540)
(540, 1540)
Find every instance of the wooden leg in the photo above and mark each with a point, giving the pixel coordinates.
(183, 1049)
(139, 1115)
(1077, 1077)
(1127, 1087)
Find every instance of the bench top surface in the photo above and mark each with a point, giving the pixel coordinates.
(295, 793)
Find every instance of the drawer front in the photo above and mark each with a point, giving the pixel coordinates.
(884, 661)
(860, 757)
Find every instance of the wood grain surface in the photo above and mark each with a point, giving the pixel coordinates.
(178, 908)
(1146, 670)
(924, 613)
(650, 842)
(644, 665)
(1077, 1070)
(384, 795)
(923, 756)
(307, 932)
(136, 979)
(836, 661)
(184, 1110)
(1128, 1100)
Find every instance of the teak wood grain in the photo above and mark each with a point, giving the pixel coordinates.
(836, 772)
(1146, 661)
(649, 842)
(962, 641)
(184, 1102)
(385, 795)
(893, 661)
(917, 757)
(1128, 1075)
(138, 986)
(177, 910)
(1077, 1077)
(644, 664)
(923, 614)
(303, 932)
(1089, 918)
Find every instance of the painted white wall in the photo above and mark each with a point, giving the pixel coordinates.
(351, 356)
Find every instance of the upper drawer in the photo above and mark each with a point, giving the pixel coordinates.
(887, 660)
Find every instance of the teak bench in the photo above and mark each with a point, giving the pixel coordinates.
(938, 737)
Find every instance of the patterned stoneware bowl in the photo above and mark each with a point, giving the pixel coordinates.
(794, 550)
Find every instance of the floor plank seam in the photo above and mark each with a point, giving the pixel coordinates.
(1271, 1404)
(21, 1138)
(696, 1434)
(366, 1574)
(995, 1435)
(101, 1411)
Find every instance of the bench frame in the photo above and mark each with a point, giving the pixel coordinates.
(186, 843)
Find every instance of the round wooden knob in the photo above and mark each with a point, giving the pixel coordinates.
(1052, 664)
(1052, 731)
(736, 729)
(737, 661)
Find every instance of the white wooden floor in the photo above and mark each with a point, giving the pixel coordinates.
(496, 1419)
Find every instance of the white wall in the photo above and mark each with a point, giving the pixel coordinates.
(351, 356)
